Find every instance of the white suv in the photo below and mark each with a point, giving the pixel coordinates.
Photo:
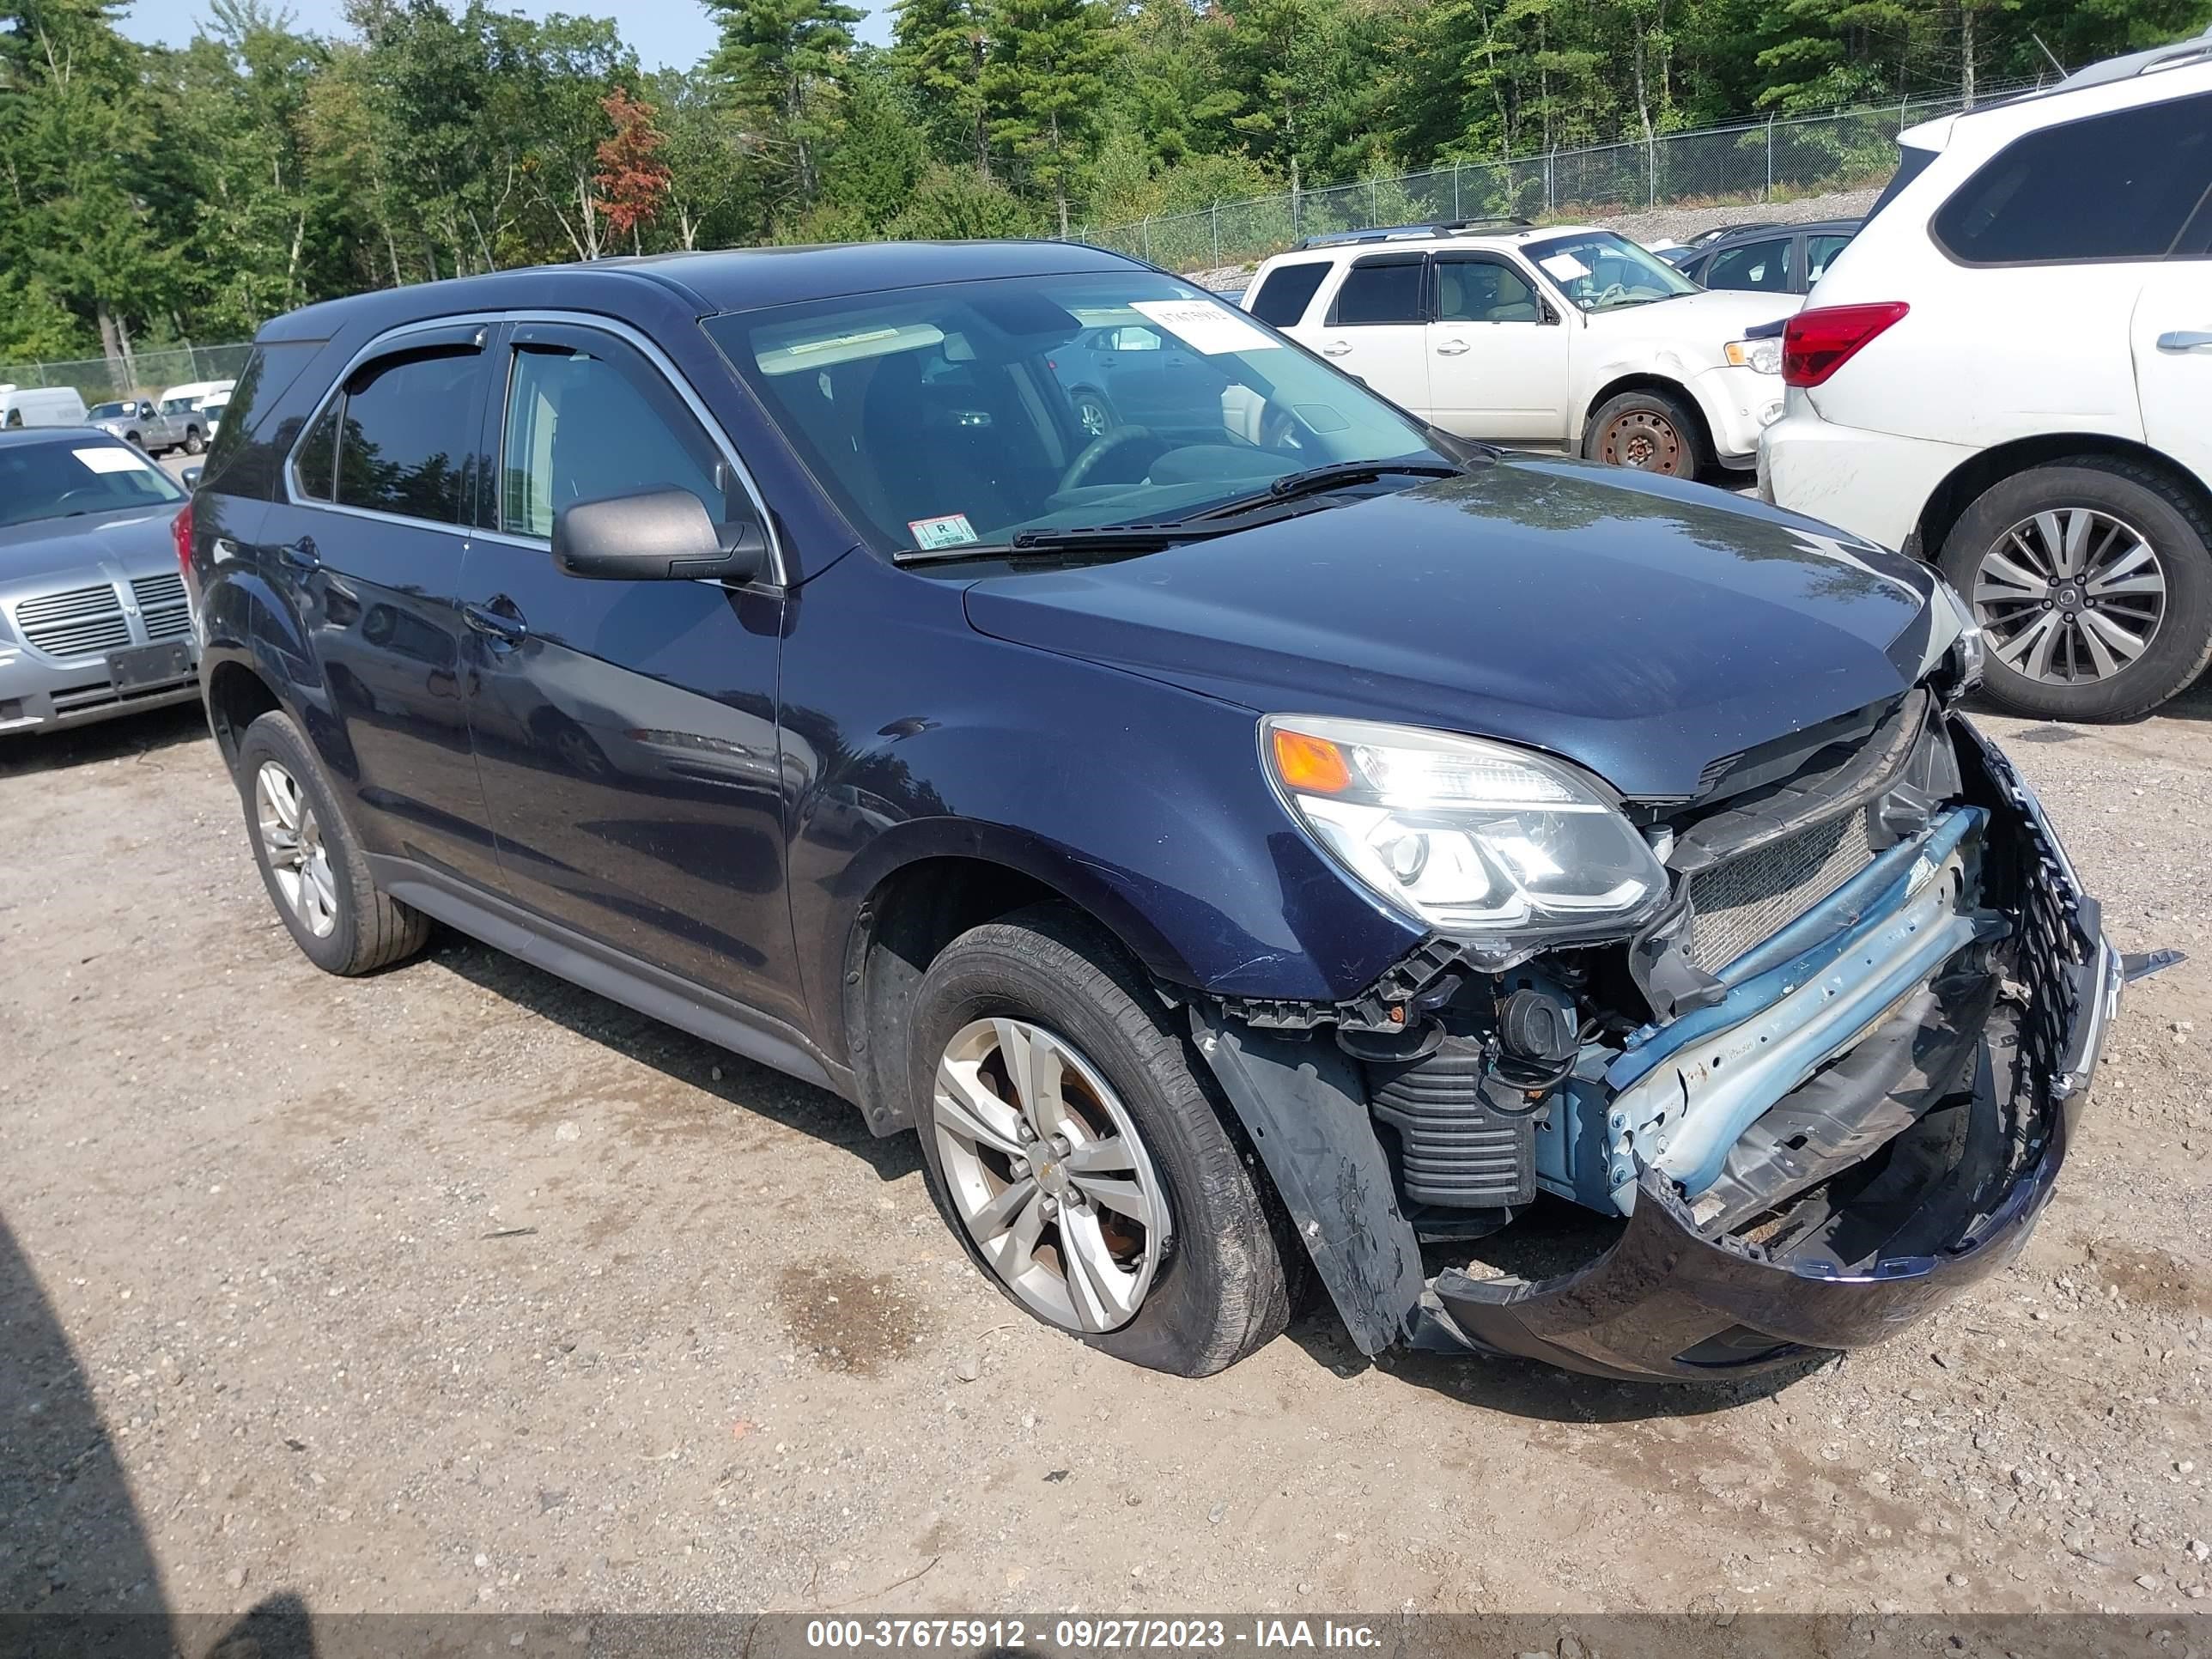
(1559, 338)
(2010, 371)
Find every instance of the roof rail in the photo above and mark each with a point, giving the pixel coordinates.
(1407, 233)
(2172, 55)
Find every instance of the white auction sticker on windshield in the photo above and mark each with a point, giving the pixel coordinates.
(105, 459)
(952, 530)
(1204, 325)
(1564, 266)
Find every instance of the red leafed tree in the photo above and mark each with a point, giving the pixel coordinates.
(631, 181)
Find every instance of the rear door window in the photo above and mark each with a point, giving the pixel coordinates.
(405, 438)
(1285, 292)
(2119, 186)
(1821, 252)
(1759, 267)
(1380, 291)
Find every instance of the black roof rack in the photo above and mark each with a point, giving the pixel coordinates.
(1406, 232)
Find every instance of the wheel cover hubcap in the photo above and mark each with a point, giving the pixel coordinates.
(2072, 596)
(1644, 440)
(292, 842)
(1047, 1174)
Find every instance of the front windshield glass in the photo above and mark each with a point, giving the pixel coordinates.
(107, 411)
(68, 477)
(967, 413)
(1600, 271)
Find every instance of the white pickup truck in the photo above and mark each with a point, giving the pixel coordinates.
(1574, 339)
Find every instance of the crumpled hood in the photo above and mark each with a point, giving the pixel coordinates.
(1639, 626)
(1711, 318)
(98, 547)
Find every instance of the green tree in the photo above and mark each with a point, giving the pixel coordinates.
(938, 49)
(783, 63)
(1042, 81)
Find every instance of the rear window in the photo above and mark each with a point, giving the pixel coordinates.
(2117, 186)
(1911, 162)
(1379, 291)
(1285, 292)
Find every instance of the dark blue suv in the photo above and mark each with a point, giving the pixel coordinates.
(1268, 836)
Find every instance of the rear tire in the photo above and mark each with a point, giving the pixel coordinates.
(311, 860)
(2116, 502)
(1198, 1288)
(194, 444)
(1650, 431)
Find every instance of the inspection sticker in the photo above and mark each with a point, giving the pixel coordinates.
(952, 530)
(104, 459)
(1204, 325)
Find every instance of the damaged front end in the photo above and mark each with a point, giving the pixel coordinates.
(1825, 1087)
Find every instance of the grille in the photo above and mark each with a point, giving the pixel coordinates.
(1750, 898)
(162, 607)
(77, 624)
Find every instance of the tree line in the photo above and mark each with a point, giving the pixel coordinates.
(155, 194)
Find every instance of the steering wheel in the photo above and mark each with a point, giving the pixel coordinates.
(1613, 291)
(88, 491)
(1080, 469)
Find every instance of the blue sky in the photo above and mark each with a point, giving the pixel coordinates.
(665, 31)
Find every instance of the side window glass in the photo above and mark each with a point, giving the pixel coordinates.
(1379, 292)
(1483, 291)
(404, 443)
(2117, 186)
(1821, 252)
(583, 424)
(315, 467)
(1283, 297)
(1761, 267)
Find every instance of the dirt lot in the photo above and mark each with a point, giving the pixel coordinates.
(457, 1287)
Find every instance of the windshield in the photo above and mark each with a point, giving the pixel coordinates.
(1600, 271)
(108, 411)
(67, 477)
(967, 413)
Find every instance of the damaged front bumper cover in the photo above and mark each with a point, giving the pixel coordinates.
(1669, 1298)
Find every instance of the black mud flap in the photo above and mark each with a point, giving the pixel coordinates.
(1303, 1104)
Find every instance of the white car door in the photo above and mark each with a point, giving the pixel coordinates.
(1377, 327)
(2172, 346)
(1497, 353)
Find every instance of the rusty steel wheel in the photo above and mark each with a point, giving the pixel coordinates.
(1646, 430)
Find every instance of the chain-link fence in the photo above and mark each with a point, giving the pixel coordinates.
(1769, 160)
(140, 374)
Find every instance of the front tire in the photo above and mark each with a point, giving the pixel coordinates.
(311, 861)
(1073, 1147)
(194, 444)
(2092, 579)
(1649, 430)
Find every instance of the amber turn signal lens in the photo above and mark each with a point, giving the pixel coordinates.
(1313, 765)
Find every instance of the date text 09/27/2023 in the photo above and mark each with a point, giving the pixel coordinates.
(1071, 1636)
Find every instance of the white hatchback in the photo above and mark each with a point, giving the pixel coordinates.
(1575, 339)
(2010, 372)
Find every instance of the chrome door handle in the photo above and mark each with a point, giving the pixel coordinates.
(2186, 339)
(1336, 348)
(1451, 348)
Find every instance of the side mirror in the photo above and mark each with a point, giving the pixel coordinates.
(193, 476)
(656, 535)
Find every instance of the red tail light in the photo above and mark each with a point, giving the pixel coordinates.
(181, 528)
(1817, 343)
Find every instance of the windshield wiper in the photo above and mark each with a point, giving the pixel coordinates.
(1088, 539)
(1317, 480)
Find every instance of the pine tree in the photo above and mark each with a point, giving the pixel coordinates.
(1042, 81)
(937, 48)
(783, 61)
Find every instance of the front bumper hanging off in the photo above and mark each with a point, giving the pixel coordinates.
(1668, 1299)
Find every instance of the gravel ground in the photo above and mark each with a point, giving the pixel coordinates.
(457, 1287)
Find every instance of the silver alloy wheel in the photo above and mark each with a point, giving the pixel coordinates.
(1093, 415)
(2071, 596)
(292, 841)
(1047, 1174)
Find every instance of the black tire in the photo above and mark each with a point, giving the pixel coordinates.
(1672, 432)
(1226, 1283)
(370, 930)
(1094, 415)
(194, 444)
(2178, 532)
(131, 438)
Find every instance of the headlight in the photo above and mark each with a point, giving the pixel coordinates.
(1491, 844)
(1764, 355)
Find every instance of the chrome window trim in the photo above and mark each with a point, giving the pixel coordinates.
(779, 572)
